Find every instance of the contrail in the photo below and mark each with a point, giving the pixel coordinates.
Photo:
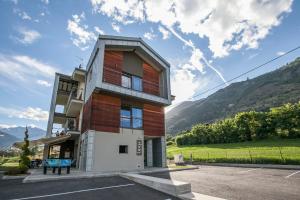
(191, 44)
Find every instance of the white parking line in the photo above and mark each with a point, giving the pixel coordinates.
(77, 191)
(292, 174)
(250, 170)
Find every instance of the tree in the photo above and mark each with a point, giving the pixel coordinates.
(25, 161)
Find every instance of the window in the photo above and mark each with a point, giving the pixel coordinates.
(123, 149)
(131, 117)
(126, 81)
(132, 82)
(137, 118)
(125, 117)
(136, 83)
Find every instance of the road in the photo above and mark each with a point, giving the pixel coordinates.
(240, 183)
(88, 189)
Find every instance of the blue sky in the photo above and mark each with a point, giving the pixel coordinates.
(206, 42)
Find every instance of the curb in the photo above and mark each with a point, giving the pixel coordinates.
(266, 166)
(57, 178)
(13, 177)
(167, 170)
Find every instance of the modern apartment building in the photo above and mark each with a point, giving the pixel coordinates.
(112, 113)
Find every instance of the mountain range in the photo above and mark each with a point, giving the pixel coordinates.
(8, 136)
(261, 93)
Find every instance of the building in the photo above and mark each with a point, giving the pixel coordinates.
(112, 113)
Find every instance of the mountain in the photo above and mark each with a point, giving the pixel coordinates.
(268, 90)
(18, 132)
(6, 140)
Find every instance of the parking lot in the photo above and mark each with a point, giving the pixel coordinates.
(240, 183)
(87, 189)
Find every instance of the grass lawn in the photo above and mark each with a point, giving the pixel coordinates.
(279, 151)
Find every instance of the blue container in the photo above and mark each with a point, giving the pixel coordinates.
(65, 162)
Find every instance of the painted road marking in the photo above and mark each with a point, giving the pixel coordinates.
(77, 191)
(292, 174)
(250, 170)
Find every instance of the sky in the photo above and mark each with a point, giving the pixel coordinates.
(207, 42)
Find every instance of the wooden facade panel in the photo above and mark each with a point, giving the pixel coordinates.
(112, 67)
(154, 120)
(105, 113)
(86, 117)
(150, 80)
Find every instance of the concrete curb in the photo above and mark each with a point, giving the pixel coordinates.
(175, 188)
(13, 177)
(167, 170)
(266, 166)
(167, 186)
(29, 179)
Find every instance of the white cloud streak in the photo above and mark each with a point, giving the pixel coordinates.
(165, 33)
(43, 83)
(27, 36)
(81, 37)
(116, 27)
(35, 114)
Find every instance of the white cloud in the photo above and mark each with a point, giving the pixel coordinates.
(98, 30)
(165, 33)
(228, 25)
(149, 35)
(24, 16)
(43, 83)
(116, 27)
(36, 114)
(27, 36)
(20, 69)
(45, 1)
(280, 53)
(81, 37)
(42, 14)
(8, 126)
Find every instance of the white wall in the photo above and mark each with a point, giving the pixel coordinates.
(106, 155)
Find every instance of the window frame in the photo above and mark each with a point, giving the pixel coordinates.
(130, 80)
(125, 150)
(132, 118)
(131, 77)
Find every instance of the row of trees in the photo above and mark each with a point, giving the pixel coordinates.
(281, 121)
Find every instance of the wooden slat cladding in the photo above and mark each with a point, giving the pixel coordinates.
(101, 113)
(105, 113)
(154, 120)
(112, 67)
(150, 80)
(86, 117)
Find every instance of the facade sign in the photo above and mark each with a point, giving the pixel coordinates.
(139, 147)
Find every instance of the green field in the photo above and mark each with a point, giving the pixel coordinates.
(283, 151)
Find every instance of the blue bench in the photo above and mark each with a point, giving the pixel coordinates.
(57, 163)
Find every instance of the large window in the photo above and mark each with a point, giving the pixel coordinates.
(132, 82)
(131, 117)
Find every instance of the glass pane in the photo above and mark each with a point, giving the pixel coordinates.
(125, 113)
(126, 82)
(137, 123)
(125, 122)
(136, 83)
(137, 113)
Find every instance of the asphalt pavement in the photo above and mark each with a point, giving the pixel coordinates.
(240, 183)
(88, 189)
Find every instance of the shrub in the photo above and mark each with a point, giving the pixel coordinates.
(22, 169)
(282, 122)
(169, 143)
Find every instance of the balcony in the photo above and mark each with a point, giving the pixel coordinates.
(75, 103)
(71, 126)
